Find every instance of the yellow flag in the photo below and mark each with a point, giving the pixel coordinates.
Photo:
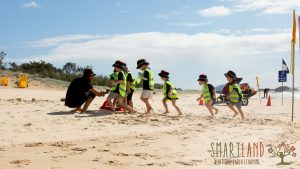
(294, 28)
(257, 82)
(293, 45)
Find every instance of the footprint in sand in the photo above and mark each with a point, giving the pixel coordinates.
(185, 163)
(112, 162)
(38, 144)
(78, 151)
(20, 162)
(58, 158)
(103, 150)
(27, 124)
(62, 144)
(96, 159)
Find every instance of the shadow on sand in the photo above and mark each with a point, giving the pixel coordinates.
(90, 113)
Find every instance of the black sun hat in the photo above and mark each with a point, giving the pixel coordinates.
(119, 64)
(88, 72)
(141, 62)
(202, 77)
(164, 73)
(230, 74)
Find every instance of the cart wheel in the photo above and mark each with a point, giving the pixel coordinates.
(245, 101)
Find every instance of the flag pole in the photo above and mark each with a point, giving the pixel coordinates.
(257, 83)
(293, 79)
(282, 87)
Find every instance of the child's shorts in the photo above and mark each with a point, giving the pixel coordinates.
(113, 95)
(238, 104)
(147, 94)
(213, 102)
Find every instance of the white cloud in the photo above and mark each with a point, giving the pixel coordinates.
(252, 31)
(215, 11)
(264, 7)
(203, 52)
(54, 41)
(190, 24)
(118, 4)
(267, 6)
(31, 4)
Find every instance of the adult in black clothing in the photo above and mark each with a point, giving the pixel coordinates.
(81, 91)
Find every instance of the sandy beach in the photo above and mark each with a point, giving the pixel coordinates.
(38, 131)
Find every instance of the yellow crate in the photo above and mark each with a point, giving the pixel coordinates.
(23, 84)
(4, 81)
(23, 81)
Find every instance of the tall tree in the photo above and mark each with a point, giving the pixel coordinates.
(2, 65)
(70, 68)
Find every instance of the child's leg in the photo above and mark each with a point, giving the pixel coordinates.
(124, 105)
(209, 108)
(115, 102)
(164, 101)
(146, 101)
(111, 104)
(230, 105)
(129, 99)
(214, 108)
(130, 103)
(176, 107)
(241, 112)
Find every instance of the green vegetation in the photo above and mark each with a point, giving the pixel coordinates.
(46, 70)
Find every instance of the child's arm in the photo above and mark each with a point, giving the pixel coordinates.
(119, 81)
(128, 87)
(142, 76)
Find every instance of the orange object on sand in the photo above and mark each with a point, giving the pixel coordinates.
(4, 81)
(23, 81)
(269, 101)
(105, 106)
(201, 102)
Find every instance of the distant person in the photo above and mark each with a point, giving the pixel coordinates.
(235, 94)
(147, 77)
(81, 91)
(208, 94)
(170, 93)
(266, 92)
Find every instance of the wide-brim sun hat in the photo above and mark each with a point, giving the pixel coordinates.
(141, 62)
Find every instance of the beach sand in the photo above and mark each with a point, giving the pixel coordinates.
(38, 132)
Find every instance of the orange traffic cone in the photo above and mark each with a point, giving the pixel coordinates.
(201, 102)
(105, 104)
(269, 101)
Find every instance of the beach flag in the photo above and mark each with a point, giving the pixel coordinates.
(285, 67)
(293, 44)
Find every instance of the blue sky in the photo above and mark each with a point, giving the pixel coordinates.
(185, 38)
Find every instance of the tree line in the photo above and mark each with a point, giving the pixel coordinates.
(43, 69)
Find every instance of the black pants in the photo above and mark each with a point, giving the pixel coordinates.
(129, 96)
(76, 101)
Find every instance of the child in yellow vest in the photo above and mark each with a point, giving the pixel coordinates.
(118, 90)
(147, 77)
(170, 93)
(208, 94)
(235, 94)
